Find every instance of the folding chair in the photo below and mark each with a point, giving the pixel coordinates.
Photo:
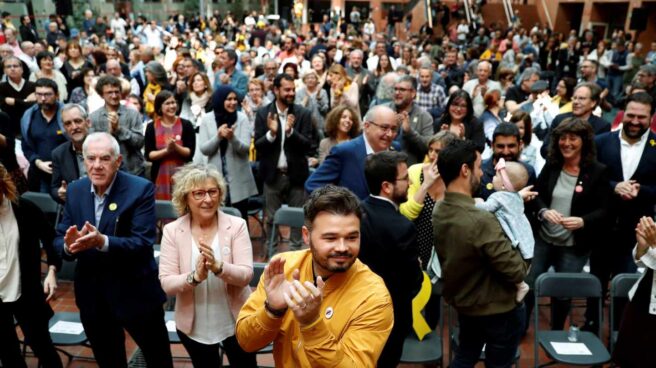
(285, 216)
(164, 211)
(428, 350)
(568, 285)
(68, 339)
(619, 289)
(258, 270)
(454, 338)
(256, 211)
(231, 211)
(47, 205)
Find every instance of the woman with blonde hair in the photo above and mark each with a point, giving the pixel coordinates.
(342, 91)
(206, 262)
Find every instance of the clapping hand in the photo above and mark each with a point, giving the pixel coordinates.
(272, 123)
(430, 173)
(275, 284)
(646, 232)
(291, 119)
(304, 299)
(404, 120)
(87, 238)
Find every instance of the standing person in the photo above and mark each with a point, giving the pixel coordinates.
(480, 86)
(459, 119)
(123, 123)
(67, 158)
(42, 131)
(225, 138)
(479, 266)
(73, 66)
(111, 232)
(571, 208)
(321, 306)
(47, 69)
(16, 93)
(207, 264)
(169, 143)
(230, 75)
(22, 297)
(619, 64)
(8, 154)
(630, 154)
(283, 140)
(389, 244)
(636, 332)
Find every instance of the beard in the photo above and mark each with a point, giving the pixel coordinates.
(475, 184)
(330, 265)
(634, 135)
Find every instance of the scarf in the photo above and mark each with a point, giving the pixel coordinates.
(198, 103)
(153, 89)
(221, 116)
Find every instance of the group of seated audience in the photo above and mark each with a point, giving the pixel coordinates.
(406, 158)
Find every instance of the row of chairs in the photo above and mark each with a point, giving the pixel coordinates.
(555, 285)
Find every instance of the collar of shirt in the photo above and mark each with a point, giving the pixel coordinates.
(281, 113)
(426, 89)
(396, 207)
(15, 86)
(367, 146)
(109, 189)
(641, 142)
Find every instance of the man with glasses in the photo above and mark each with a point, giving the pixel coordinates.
(42, 131)
(647, 76)
(416, 124)
(110, 230)
(389, 243)
(585, 99)
(67, 160)
(344, 165)
(270, 72)
(16, 93)
(124, 123)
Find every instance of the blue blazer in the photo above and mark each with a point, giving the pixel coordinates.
(344, 166)
(627, 213)
(125, 276)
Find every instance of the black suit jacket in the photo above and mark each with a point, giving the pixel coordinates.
(389, 247)
(625, 214)
(64, 167)
(298, 146)
(590, 202)
(29, 253)
(599, 126)
(28, 33)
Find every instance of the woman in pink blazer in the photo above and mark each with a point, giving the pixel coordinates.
(206, 261)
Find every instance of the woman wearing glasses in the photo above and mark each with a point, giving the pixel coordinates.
(206, 262)
(459, 119)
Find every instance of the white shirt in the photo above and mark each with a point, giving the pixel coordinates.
(213, 320)
(647, 260)
(631, 154)
(10, 276)
(282, 117)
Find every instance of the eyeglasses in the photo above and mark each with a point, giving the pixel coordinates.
(201, 194)
(405, 178)
(14, 66)
(386, 128)
(401, 89)
(44, 95)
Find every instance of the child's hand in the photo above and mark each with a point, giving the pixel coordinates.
(527, 194)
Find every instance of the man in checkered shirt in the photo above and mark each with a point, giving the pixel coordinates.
(429, 94)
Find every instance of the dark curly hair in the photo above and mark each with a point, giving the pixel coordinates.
(577, 127)
(333, 117)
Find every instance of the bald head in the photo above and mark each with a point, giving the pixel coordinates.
(380, 127)
(113, 67)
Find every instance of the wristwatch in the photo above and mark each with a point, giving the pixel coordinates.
(220, 270)
(277, 313)
(191, 280)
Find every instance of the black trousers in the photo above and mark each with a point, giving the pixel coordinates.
(35, 329)
(105, 332)
(203, 355)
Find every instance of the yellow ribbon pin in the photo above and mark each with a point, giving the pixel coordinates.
(113, 206)
(489, 186)
(419, 323)
(652, 142)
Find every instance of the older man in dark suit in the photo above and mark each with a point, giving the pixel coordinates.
(110, 230)
(389, 243)
(344, 166)
(630, 154)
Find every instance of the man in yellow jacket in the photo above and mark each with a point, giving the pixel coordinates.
(321, 306)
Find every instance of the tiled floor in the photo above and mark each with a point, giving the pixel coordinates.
(65, 303)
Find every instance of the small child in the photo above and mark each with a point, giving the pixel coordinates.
(507, 204)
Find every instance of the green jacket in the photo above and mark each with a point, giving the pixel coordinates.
(479, 266)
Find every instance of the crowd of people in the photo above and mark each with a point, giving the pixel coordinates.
(387, 138)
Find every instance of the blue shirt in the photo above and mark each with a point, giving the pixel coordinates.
(238, 81)
(45, 135)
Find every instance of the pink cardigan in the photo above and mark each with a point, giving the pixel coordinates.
(175, 265)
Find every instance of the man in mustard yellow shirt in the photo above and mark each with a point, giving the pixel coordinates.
(321, 306)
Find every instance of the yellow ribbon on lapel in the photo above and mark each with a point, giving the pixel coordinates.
(419, 323)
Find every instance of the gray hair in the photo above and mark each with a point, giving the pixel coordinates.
(528, 73)
(408, 79)
(385, 90)
(373, 112)
(357, 51)
(71, 106)
(100, 136)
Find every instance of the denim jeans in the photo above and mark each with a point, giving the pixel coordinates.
(500, 333)
(615, 84)
(563, 259)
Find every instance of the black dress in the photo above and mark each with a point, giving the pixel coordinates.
(424, 226)
(638, 329)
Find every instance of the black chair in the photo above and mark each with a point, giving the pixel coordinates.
(619, 290)
(47, 205)
(256, 211)
(285, 216)
(568, 285)
(429, 349)
(231, 211)
(258, 270)
(66, 339)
